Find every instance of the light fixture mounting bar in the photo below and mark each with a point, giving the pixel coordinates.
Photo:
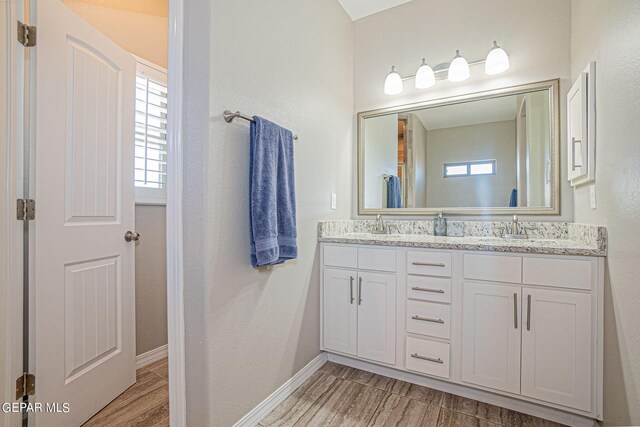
(443, 70)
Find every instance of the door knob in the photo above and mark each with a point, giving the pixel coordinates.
(131, 236)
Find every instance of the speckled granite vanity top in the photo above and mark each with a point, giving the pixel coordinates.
(558, 238)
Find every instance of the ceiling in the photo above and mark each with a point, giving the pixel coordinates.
(469, 113)
(360, 8)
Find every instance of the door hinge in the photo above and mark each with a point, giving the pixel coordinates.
(25, 385)
(25, 209)
(27, 34)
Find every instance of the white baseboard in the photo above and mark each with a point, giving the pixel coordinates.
(285, 390)
(151, 356)
(518, 405)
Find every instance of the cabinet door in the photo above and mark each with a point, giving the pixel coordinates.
(491, 336)
(340, 310)
(377, 317)
(557, 347)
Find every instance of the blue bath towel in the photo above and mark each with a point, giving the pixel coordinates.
(272, 194)
(394, 192)
(513, 200)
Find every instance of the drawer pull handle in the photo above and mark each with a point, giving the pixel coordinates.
(437, 291)
(429, 264)
(428, 359)
(359, 290)
(427, 319)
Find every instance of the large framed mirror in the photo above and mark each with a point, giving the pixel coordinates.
(487, 153)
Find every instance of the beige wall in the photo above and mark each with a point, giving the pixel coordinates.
(151, 278)
(487, 141)
(248, 330)
(141, 28)
(536, 34)
(608, 31)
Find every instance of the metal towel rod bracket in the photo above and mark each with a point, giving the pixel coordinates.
(230, 115)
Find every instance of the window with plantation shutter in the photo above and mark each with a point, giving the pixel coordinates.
(151, 134)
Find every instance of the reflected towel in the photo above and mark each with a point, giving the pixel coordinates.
(272, 194)
(394, 192)
(513, 200)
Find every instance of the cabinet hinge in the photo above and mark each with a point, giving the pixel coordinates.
(25, 385)
(27, 34)
(25, 209)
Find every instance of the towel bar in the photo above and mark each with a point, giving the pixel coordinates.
(230, 115)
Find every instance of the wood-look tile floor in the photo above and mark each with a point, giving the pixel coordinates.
(144, 404)
(338, 395)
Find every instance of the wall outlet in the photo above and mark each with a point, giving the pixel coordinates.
(334, 201)
(592, 196)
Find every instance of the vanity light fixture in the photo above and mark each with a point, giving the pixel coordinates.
(458, 69)
(393, 84)
(497, 62)
(425, 78)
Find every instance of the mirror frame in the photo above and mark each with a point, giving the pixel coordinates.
(554, 112)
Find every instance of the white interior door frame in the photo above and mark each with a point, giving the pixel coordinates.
(175, 276)
(11, 243)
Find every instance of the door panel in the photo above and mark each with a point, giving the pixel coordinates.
(84, 269)
(377, 317)
(557, 347)
(491, 336)
(340, 310)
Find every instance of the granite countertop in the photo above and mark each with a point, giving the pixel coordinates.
(576, 240)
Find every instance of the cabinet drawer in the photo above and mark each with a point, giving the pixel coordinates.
(429, 263)
(429, 288)
(429, 318)
(564, 273)
(493, 268)
(427, 357)
(341, 256)
(377, 259)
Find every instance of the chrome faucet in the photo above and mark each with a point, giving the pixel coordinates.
(379, 226)
(517, 231)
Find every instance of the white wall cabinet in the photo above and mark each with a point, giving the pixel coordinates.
(522, 327)
(491, 336)
(557, 347)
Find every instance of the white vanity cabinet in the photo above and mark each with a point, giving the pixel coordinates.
(359, 306)
(491, 333)
(516, 329)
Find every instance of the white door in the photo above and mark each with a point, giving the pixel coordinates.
(557, 347)
(84, 268)
(491, 336)
(377, 317)
(340, 310)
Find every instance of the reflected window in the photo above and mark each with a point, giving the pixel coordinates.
(484, 167)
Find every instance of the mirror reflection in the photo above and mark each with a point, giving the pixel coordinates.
(486, 153)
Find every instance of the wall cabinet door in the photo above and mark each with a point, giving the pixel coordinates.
(377, 317)
(491, 336)
(557, 347)
(340, 310)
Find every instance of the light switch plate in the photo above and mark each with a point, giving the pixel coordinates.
(334, 201)
(592, 195)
